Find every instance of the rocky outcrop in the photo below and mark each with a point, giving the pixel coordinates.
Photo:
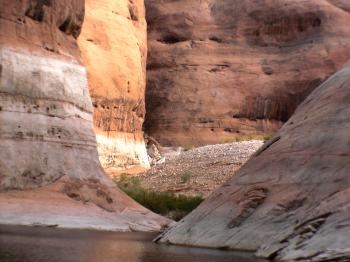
(114, 48)
(291, 200)
(48, 147)
(223, 68)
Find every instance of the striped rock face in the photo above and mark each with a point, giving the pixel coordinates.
(114, 48)
(47, 141)
(46, 120)
(46, 112)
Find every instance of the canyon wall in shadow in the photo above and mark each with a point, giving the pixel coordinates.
(221, 68)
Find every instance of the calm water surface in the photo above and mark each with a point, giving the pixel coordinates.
(28, 244)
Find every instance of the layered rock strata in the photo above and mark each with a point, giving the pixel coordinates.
(49, 167)
(291, 200)
(221, 68)
(114, 49)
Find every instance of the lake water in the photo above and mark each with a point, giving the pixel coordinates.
(35, 244)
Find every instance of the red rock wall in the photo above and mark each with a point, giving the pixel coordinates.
(114, 49)
(45, 26)
(222, 68)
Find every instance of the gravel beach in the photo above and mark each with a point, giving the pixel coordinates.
(198, 171)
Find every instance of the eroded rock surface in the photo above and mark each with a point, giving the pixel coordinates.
(291, 200)
(47, 142)
(223, 68)
(114, 48)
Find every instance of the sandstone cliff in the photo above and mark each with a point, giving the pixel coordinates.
(291, 201)
(222, 68)
(47, 143)
(114, 48)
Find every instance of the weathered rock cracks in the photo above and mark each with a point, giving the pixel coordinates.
(49, 167)
(291, 201)
(224, 68)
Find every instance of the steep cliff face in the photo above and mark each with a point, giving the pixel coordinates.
(114, 48)
(221, 68)
(291, 200)
(48, 147)
(45, 105)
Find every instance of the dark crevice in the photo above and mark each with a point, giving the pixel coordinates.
(267, 70)
(172, 39)
(231, 130)
(37, 12)
(267, 145)
(133, 13)
(65, 25)
(69, 27)
(205, 120)
(215, 39)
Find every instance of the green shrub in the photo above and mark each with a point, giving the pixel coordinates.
(236, 139)
(188, 147)
(267, 138)
(229, 140)
(164, 203)
(186, 177)
(246, 138)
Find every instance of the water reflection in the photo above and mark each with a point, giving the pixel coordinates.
(26, 244)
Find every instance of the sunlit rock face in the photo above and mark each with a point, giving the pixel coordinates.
(49, 168)
(114, 49)
(291, 201)
(225, 68)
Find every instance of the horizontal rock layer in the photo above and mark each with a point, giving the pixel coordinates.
(114, 48)
(46, 110)
(46, 121)
(291, 200)
(50, 173)
(220, 68)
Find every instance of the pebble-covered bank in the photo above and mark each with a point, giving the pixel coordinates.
(198, 171)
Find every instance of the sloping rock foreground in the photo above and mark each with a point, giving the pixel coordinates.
(222, 68)
(291, 201)
(47, 142)
(77, 204)
(114, 49)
